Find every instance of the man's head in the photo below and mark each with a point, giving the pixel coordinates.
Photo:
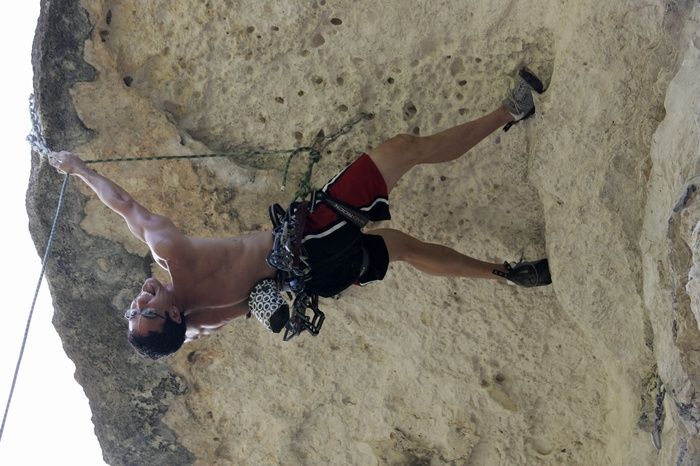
(156, 325)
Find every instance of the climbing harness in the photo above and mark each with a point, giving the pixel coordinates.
(289, 258)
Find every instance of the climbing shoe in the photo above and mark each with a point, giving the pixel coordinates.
(519, 102)
(527, 274)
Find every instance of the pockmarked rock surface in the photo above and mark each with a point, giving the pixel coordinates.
(594, 370)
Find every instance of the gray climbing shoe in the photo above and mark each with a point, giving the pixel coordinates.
(519, 102)
(527, 274)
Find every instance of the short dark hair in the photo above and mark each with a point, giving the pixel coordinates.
(155, 345)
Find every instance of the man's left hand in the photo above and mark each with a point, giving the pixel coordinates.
(65, 162)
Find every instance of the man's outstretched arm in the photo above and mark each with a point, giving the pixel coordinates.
(157, 231)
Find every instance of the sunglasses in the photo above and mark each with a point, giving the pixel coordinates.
(147, 313)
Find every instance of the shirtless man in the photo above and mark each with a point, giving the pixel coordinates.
(211, 278)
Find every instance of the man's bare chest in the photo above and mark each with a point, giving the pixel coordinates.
(223, 273)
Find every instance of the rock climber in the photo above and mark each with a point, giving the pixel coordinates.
(212, 278)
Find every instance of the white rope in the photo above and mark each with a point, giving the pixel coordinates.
(31, 311)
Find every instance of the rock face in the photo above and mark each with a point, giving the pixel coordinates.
(417, 369)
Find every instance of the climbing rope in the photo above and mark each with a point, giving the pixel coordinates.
(36, 293)
(39, 145)
(315, 150)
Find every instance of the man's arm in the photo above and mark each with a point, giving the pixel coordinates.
(157, 231)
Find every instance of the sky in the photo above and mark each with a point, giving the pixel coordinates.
(49, 420)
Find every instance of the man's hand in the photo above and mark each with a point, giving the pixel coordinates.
(66, 162)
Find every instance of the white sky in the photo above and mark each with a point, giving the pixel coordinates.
(49, 418)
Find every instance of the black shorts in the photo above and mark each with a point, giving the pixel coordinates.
(339, 253)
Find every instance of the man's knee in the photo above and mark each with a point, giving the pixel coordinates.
(398, 243)
(396, 156)
(405, 139)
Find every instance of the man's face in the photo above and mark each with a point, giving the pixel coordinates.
(157, 298)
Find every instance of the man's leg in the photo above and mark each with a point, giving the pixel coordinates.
(396, 156)
(434, 259)
(399, 154)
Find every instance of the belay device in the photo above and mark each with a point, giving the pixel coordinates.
(293, 270)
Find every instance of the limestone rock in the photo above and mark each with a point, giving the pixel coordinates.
(417, 369)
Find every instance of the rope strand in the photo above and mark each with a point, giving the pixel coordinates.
(314, 153)
(36, 293)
